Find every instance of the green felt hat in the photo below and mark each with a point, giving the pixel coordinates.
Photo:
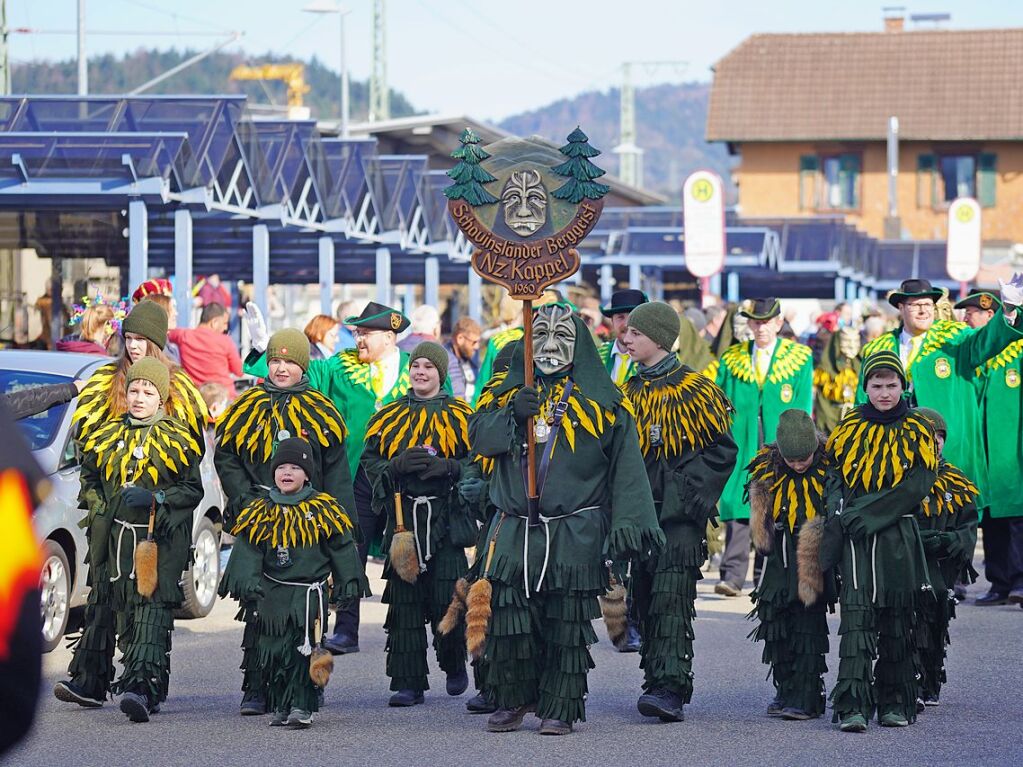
(623, 302)
(761, 309)
(910, 289)
(379, 317)
(152, 370)
(796, 435)
(433, 352)
(657, 321)
(981, 299)
(149, 320)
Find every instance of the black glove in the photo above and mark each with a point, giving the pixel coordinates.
(525, 404)
(412, 461)
(137, 497)
(854, 526)
(470, 490)
(253, 593)
(442, 467)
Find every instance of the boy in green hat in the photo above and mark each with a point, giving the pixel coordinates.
(787, 512)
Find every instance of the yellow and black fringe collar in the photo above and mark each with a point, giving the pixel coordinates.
(303, 524)
(250, 425)
(690, 409)
(167, 449)
(1005, 357)
(872, 456)
(951, 492)
(360, 373)
(936, 337)
(405, 423)
(798, 495)
(184, 403)
(837, 388)
(786, 361)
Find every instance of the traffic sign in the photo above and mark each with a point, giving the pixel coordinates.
(962, 259)
(703, 206)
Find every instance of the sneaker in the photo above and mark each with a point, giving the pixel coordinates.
(406, 698)
(299, 719)
(919, 705)
(253, 704)
(457, 682)
(797, 714)
(991, 598)
(69, 692)
(481, 703)
(279, 719)
(727, 589)
(853, 723)
(775, 707)
(135, 706)
(931, 700)
(663, 704)
(894, 719)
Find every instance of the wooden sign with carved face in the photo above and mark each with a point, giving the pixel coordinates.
(525, 206)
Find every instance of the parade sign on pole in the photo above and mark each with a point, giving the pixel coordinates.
(703, 206)
(962, 259)
(526, 206)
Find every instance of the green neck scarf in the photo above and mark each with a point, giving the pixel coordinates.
(665, 366)
(291, 499)
(154, 419)
(301, 386)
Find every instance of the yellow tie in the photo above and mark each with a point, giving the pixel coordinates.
(759, 371)
(623, 369)
(376, 379)
(914, 349)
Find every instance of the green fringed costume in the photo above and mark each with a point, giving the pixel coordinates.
(835, 380)
(442, 528)
(169, 463)
(684, 425)
(595, 505)
(247, 436)
(787, 511)
(948, 526)
(287, 547)
(883, 465)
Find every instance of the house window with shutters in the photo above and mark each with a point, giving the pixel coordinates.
(941, 178)
(840, 182)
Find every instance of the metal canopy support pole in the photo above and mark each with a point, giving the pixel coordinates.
(409, 301)
(138, 244)
(839, 288)
(733, 287)
(261, 267)
(384, 276)
(607, 283)
(852, 292)
(635, 276)
(183, 266)
(658, 291)
(326, 276)
(431, 284)
(475, 296)
(715, 284)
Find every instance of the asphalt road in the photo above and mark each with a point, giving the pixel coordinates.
(979, 722)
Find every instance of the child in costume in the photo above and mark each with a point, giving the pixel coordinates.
(883, 460)
(787, 514)
(289, 542)
(416, 449)
(141, 482)
(948, 527)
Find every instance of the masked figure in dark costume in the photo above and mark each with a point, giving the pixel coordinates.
(542, 581)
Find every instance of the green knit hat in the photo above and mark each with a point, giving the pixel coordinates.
(433, 352)
(883, 360)
(657, 321)
(152, 370)
(937, 419)
(149, 320)
(291, 345)
(796, 435)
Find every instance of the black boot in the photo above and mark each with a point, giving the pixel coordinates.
(457, 682)
(664, 704)
(508, 719)
(253, 704)
(405, 698)
(481, 703)
(135, 706)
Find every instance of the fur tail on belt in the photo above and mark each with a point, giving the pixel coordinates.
(808, 559)
(761, 521)
(456, 609)
(477, 617)
(613, 608)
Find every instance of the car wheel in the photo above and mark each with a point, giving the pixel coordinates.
(54, 594)
(203, 576)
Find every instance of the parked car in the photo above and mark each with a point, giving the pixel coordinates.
(63, 577)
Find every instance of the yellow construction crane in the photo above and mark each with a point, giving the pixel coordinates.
(292, 75)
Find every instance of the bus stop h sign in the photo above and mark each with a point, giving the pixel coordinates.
(703, 206)
(962, 260)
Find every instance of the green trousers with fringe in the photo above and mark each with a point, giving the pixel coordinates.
(881, 637)
(666, 602)
(795, 641)
(253, 674)
(145, 639)
(537, 650)
(287, 683)
(931, 637)
(410, 607)
(92, 665)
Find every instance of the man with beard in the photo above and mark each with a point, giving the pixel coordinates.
(359, 382)
(614, 355)
(463, 358)
(539, 583)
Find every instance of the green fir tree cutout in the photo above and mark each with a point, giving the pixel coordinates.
(468, 175)
(579, 171)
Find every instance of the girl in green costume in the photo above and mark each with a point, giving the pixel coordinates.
(289, 542)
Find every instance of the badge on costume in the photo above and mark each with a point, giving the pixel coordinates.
(985, 301)
(395, 321)
(786, 393)
(655, 435)
(283, 556)
(541, 430)
(1012, 378)
(941, 368)
(283, 434)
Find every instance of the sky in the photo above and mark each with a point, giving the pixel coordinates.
(487, 58)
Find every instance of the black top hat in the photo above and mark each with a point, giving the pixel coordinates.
(982, 299)
(761, 308)
(623, 302)
(913, 289)
(379, 317)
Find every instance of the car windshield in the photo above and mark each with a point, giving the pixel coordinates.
(41, 429)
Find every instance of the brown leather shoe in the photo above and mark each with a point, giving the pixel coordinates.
(508, 719)
(555, 727)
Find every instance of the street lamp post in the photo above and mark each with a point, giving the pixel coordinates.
(341, 11)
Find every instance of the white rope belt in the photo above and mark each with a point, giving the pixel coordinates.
(306, 648)
(417, 501)
(547, 546)
(134, 545)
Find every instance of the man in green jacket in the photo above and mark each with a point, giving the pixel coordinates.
(359, 382)
(1000, 402)
(761, 378)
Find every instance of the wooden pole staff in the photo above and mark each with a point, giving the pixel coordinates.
(527, 343)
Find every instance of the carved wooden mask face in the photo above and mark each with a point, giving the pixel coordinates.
(525, 202)
(553, 339)
(849, 342)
